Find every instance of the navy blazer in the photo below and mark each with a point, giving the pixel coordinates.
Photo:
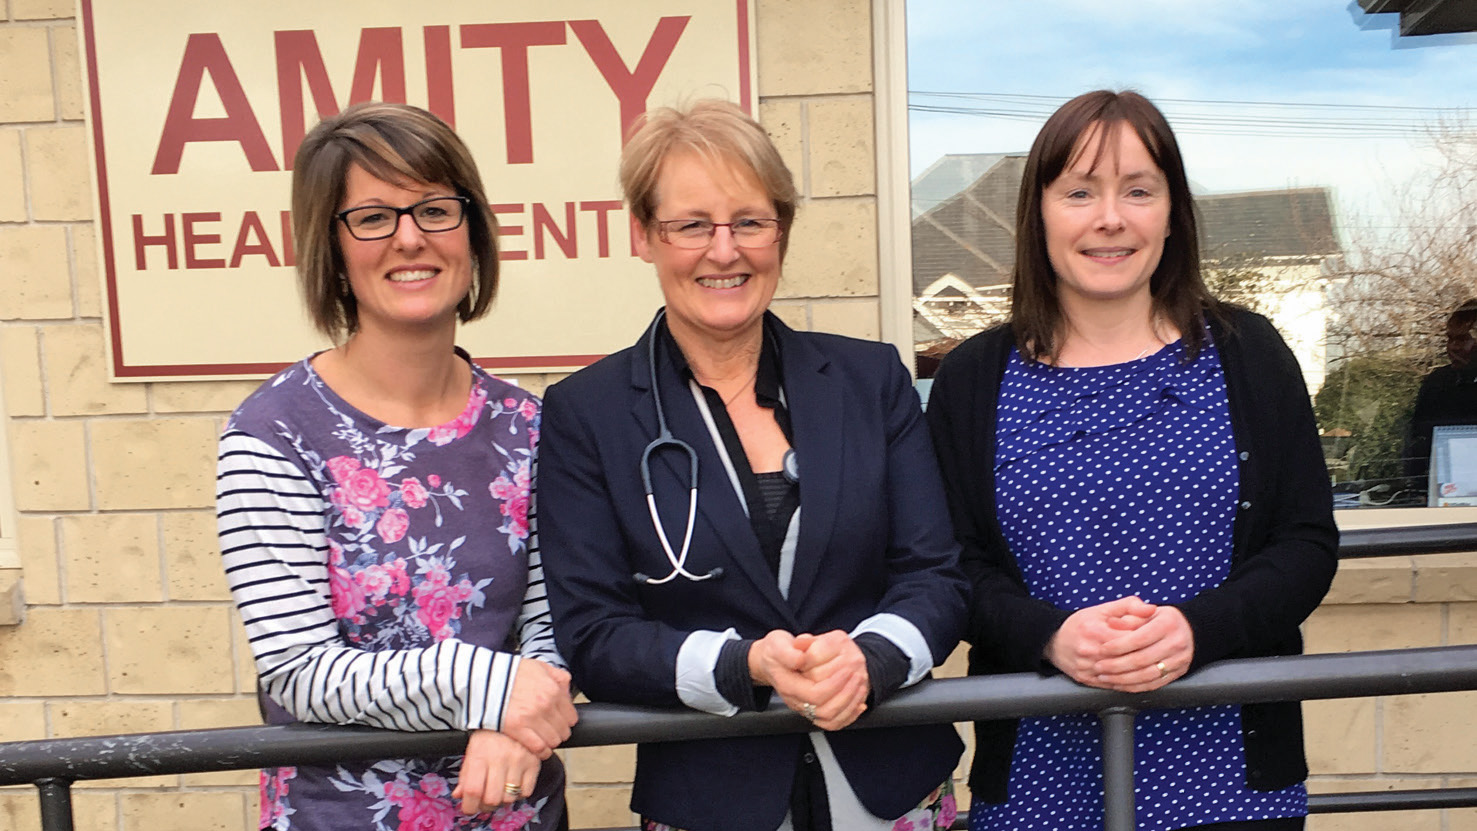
(874, 537)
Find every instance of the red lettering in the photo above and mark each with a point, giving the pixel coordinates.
(505, 231)
(631, 87)
(381, 55)
(204, 54)
(289, 255)
(439, 96)
(543, 221)
(602, 209)
(251, 223)
(193, 239)
(514, 39)
(142, 241)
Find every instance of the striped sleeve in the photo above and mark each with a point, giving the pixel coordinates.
(535, 622)
(270, 519)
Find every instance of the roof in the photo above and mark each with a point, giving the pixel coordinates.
(971, 234)
(1427, 17)
(947, 176)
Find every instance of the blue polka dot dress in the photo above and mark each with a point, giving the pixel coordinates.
(1113, 481)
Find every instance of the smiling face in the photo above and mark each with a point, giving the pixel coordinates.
(719, 292)
(1106, 225)
(411, 278)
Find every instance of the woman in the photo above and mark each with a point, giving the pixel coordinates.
(373, 501)
(672, 484)
(1135, 475)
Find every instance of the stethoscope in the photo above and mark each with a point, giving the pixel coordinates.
(664, 439)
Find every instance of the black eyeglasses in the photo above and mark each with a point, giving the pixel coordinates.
(434, 215)
(698, 233)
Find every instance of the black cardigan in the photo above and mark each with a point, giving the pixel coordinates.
(1284, 539)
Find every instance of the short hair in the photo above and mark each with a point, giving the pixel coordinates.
(719, 132)
(399, 144)
(1176, 286)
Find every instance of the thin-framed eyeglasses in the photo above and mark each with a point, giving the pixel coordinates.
(434, 215)
(698, 233)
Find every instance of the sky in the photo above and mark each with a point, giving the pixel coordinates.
(1262, 94)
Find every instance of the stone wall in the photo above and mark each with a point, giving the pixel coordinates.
(128, 626)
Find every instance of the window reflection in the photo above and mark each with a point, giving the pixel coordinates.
(1335, 171)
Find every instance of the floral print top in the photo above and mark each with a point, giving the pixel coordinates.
(386, 576)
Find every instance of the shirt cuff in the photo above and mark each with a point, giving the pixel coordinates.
(905, 636)
(697, 663)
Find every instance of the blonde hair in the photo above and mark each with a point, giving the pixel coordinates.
(396, 143)
(719, 132)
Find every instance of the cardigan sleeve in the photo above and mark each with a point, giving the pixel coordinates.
(1286, 542)
(275, 553)
(1008, 627)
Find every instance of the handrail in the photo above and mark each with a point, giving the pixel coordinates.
(1411, 539)
(1345, 675)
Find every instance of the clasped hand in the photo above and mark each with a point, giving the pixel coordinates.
(1125, 645)
(823, 677)
(501, 767)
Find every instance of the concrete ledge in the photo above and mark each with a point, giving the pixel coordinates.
(12, 599)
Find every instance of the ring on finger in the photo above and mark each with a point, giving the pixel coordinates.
(808, 710)
(1163, 670)
(513, 789)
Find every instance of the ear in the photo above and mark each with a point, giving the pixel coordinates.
(640, 240)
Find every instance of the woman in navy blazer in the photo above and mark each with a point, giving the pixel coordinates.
(793, 539)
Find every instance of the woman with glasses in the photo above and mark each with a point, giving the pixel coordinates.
(373, 502)
(736, 514)
(1135, 475)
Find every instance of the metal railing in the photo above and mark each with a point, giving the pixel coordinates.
(52, 765)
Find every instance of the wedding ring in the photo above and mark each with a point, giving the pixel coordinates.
(1163, 670)
(513, 789)
(808, 710)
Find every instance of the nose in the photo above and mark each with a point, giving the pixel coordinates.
(1109, 218)
(721, 248)
(408, 234)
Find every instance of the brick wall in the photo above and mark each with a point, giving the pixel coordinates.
(128, 625)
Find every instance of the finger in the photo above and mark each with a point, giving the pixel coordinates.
(530, 780)
(849, 709)
(469, 785)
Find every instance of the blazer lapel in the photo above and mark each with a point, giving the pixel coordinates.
(817, 413)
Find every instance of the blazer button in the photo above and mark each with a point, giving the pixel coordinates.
(808, 758)
(1245, 455)
(1245, 505)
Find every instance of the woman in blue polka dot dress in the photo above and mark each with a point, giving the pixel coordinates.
(1135, 474)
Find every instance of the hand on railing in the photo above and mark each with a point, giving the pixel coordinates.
(1125, 645)
(540, 711)
(822, 677)
(495, 771)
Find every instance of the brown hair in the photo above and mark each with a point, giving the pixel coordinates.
(716, 130)
(400, 144)
(1177, 288)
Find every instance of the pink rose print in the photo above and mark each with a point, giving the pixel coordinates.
(375, 581)
(426, 814)
(353, 517)
(512, 817)
(346, 595)
(434, 480)
(948, 811)
(516, 510)
(392, 525)
(399, 793)
(510, 403)
(437, 607)
(342, 466)
(413, 492)
(434, 786)
(501, 488)
(274, 795)
(401, 580)
(528, 410)
(364, 489)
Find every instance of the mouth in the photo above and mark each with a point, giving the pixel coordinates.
(412, 275)
(728, 282)
(1108, 255)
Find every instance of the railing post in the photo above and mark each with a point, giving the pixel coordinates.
(56, 804)
(1118, 768)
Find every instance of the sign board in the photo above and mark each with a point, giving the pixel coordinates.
(195, 110)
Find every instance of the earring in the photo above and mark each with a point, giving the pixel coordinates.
(343, 286)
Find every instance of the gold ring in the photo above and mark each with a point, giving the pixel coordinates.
(808, 710)
(1163, 670)
(513, 789)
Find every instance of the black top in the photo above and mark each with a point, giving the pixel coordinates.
(1284, 539)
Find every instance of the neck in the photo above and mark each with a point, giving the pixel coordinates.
(1103, 333)
(720, 362)
(403, 378)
